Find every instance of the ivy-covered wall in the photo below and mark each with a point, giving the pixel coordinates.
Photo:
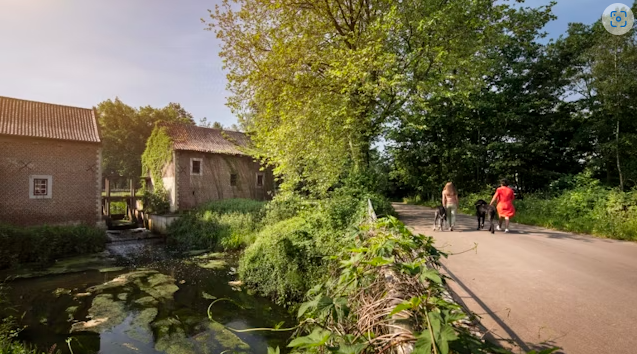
(158, 154)
(214, 182)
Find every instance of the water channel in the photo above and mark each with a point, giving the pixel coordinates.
(147, 301)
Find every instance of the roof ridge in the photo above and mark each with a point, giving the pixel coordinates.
(42, 102)
(199, 126)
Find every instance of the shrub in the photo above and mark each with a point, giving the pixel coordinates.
(286, 258)
(44, 244)
(285, 206)
(230, 223)
(156, 202)
(282, 263)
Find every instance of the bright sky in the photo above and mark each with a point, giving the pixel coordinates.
(146, 52)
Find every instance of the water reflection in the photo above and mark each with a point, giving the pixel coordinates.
(160, 309)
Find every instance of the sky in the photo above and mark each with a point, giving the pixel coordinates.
(146, 52)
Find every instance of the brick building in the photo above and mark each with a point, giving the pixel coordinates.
(207, 164)
(50, 164)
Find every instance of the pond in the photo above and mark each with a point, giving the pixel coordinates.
(152, 303)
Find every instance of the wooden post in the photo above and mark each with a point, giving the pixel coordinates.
(107, 185)
(131, 200)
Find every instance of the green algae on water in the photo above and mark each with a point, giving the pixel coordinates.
(213, 264)
(105, 313)
(140, 326)
(61, 291)
(146, 301)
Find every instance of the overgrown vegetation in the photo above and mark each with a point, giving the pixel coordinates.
(380, 293)
(156, 202)
(42, 245)
(229, 224)
(9, 331)
(157, 154)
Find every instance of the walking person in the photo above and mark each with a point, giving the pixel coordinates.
(504, 197)
(450, 202)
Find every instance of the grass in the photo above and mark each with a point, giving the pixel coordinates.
(44, 244)
(230, 224)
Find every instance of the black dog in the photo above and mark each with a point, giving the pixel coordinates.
(439, 218)
(482, 210)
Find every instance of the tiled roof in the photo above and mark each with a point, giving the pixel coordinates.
(194, 138)
(46, 120)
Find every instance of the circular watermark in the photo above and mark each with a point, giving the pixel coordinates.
(618, 19)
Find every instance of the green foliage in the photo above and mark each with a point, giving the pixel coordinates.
(352, 310)
(283, 262)
(125, 130)
(522, 124)
(287, 255)
(156, 202)
(45, 244)
(230, 223)
(118, 207)
(316, 115)
(10, 345)
(158, 153)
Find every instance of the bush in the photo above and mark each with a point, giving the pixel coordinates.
(230, 223)
(286, 258)
(285, 206)
(156, 202)
(282, 263)
(45, 244)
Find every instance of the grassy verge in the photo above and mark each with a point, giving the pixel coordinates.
(42, 245)
(586, 209)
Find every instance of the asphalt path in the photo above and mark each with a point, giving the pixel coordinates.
(534, 288)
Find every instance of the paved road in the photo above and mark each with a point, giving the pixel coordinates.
(536, 285)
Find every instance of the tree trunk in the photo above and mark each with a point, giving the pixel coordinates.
(619, 168)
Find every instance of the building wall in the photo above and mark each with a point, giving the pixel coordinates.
(214, 182)
(75, 169)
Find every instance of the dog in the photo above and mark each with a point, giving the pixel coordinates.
(482, 210)
(440, 217)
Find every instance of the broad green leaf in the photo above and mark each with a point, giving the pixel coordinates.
(430, 274)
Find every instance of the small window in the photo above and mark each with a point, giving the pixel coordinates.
(259, 179)
(233, 179)
(40, 186)
(195, 167)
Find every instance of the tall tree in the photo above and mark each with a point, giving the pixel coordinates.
(314, 82)
(125, 131)
(516, 124)
(605, 77)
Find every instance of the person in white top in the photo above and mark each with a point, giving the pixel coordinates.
(450, 202)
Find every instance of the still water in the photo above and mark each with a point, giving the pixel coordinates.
(154, 303)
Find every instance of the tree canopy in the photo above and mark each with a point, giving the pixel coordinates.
(316, 83)
(460, 90)
(125, 130)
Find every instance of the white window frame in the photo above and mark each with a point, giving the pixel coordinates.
(192, 160)
(49, 187)
(262, 179)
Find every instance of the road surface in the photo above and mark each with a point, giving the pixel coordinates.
(535, 285)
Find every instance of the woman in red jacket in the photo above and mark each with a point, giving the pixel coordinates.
(504, 197)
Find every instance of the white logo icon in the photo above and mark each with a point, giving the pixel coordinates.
(618, 19)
